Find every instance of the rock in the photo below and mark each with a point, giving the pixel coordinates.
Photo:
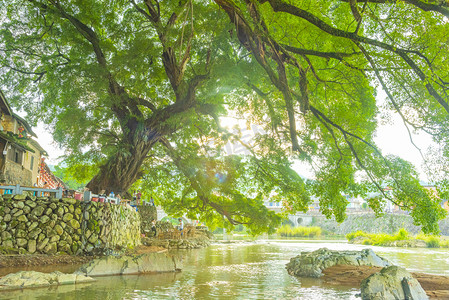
(24, 279)
(26, 210)
(22, 218)
(6, 235)
(18, 213)
(93, 239)
(54, 238)
(7, 244)
(33, 225)
(7, 218)
(38, 211)
(20, 233)
(41, 237)
(44, 219)
(74, 224)
(59, 229)
(51, 224)
(144, 263)
(77, 211)
(20, 197)
(21, 242)
(30, 203)
(69, 200)
(60, 211)
(21, 225)
(392, 282)
(311, 264)
(67, 217)
(51, 248)
(34, 233)
(13, 223)
(32, 246)
(41, 245)
(68, 239)
(75, 247)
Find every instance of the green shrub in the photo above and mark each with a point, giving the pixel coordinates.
(379, 239)
(433, 242)
(353, 235)
(366, 242)
(383, 239)
(402, 235)
(301, 231)
(444, 243)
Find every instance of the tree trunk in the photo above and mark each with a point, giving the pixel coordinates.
(121, 170)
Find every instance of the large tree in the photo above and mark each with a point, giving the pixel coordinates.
(135, 89)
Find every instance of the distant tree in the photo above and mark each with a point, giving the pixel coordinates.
(65, 175)
(135, 90)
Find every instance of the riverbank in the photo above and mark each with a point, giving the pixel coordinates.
(39, 260)
(402, 238)
(28, 260)
(435, 286)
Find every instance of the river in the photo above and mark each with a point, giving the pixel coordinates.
(253, 270)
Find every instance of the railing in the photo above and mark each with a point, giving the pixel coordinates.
(18, 190)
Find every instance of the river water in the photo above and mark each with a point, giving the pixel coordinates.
(253, 270)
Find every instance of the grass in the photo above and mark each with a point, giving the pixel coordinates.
(401, 238)
(301, 231)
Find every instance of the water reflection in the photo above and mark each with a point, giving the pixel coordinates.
(236, 271)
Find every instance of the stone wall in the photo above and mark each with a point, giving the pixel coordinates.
(147, 214)
(389, 223)
(31, 224)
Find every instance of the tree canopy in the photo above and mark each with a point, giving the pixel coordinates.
(134, 90)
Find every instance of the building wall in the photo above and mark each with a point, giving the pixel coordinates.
(15, 173)
(31, 162)
(48, 225)
(9, 124)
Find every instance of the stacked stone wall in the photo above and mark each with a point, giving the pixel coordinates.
(125, 227)
(147, 213)
(31, 224)
(389, 223)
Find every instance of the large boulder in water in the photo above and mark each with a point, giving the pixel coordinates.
(311, 264)
(393, 283)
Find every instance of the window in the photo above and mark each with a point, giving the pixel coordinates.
(32, 163)
(15, 155)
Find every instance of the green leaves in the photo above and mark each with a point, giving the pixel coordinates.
(116, 80)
